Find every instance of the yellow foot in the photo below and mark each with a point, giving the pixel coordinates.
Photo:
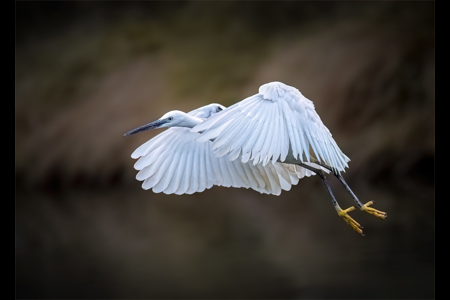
(377, 213)
(349, 220)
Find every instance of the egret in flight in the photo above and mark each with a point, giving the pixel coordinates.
(266, 142)
(173, 162)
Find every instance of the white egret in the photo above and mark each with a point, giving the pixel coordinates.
(279, 124)
(174, 162)
(266, 142)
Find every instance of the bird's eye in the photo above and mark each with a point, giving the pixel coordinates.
(219, 109)
(170, 118)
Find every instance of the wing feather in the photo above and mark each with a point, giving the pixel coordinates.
(288, 119)
(147, 160)
(259, 120)
(241, 112)
(240, 130)
(151, 181)
(222, 116)
(221, 121)
(178, 172)
(255, 174)
(252, 144)
(284, 184)
(283, 135)
(248, 144)
(264, 140)
(242, 173)
(193, 178)
(233, 129)
(202, 175)
(226, 178)
(176, 162)
(215, 168)
(251, 176)
(284, 119)
(236, 180)
(266, 120)
(275, 145)
(265, 154)
(302, 141)
(273, 183)
(209, 171)
(167, 175)
(187, 167)
(150, 145)
(152, 169)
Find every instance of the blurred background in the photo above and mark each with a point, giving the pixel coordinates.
(87, 72)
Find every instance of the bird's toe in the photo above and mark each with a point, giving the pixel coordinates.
(377, 213)
(343, 213)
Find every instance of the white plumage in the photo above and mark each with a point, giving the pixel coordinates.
(277, 124)
(174, 162)
(266, 142)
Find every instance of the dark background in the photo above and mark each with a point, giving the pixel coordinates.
(86, 72)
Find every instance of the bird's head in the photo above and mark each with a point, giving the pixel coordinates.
(173, 118)
(207, 111)
(215, 107)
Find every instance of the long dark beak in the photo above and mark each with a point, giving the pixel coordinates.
(145, 127)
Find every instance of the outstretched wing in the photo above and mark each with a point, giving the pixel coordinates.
(173, 162)
(270, 124)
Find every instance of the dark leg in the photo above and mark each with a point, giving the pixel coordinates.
(341, 179)
(324, 180)
(342, 213)
(364, 207)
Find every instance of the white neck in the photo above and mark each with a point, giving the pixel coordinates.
(188, 121)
